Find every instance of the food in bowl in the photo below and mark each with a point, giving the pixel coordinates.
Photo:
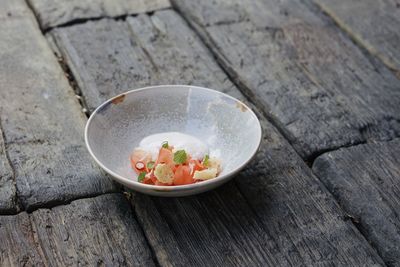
(228, 127)
(172, 159)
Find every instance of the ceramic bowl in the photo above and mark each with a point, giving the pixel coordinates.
(224, 123)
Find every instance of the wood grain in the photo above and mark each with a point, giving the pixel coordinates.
(111, 59)
(41, 120)
(18, 246)
(366, 181)
(52, 13)
(373, 24)
(275, 213)
(317, 86)
(8, 199)
(99, 231)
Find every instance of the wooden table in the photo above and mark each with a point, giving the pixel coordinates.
(322, 75)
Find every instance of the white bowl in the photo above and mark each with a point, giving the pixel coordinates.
(224, 123)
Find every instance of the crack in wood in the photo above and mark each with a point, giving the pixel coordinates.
(60, 59)
(15, 198)
(83, 21)
(225, 64)
(241, 82)
(52, 14)
(290, 171)
(364, 180)
(310, 160)
(74, 84)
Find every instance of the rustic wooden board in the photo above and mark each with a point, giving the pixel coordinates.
(100, 231)
(110, 60)
(283, 216)
(8, 199)
(41, 120)
(53, 13)
(319, 88)
(374, 24)
(277, 215)
(18, 245)
(366, 181)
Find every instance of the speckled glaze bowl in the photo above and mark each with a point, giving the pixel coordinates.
(222, 122)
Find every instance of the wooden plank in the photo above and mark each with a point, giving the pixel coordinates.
(18, 246)
(280, 216)
(110, 60)
(283, 216)
(366, 181)
(52, 13)
(318, 87)
(8, 203)
(216, 228)
(372, 23)
(100, 231)
(11, 9)
(41, 120)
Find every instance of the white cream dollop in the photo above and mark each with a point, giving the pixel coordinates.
(193, 146)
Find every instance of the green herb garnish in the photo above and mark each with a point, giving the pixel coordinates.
(150, 165)
(141, 176)
(165, 144)
(205, 160)
(180, 157)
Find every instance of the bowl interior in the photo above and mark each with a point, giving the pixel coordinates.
(231, 131)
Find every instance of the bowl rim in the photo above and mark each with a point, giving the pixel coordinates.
(168, 188)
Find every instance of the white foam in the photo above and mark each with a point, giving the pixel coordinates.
(193, 146)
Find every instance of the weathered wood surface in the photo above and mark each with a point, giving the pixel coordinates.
(319, 87)
(41, 119)
(100, 231)
(18, 246)
(12, 9)
(51, 13)
(366, 181)
(110, 59)
(374, 24)
(283, 216)
(8, 201)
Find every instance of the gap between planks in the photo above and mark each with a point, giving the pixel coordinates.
(54, 204)
(191, 22)
(274, 121)
(72, 82)
(84, 20)
(18, 206)
(237, 82)
(247, 92)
